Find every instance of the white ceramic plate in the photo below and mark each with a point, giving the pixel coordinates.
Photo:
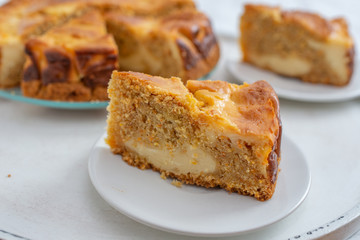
(191, 210)
(296, 89)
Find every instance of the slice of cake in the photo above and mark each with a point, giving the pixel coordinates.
(208, 133)
(178, 44)
(297, 44)
(72, 62)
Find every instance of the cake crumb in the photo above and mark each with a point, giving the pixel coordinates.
(163, 176)
(9, 175)
(176, 183)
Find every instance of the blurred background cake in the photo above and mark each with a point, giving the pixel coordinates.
(180, 43)
(167, 38)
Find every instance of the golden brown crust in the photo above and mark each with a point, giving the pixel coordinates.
(194, 26)
(340, 25)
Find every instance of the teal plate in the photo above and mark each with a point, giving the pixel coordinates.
(15, 94)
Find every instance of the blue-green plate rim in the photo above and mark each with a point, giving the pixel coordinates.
(16, 95)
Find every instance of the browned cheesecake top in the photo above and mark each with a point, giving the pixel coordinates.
(250, 109)
(190, 29)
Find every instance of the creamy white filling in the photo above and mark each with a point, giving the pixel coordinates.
(290, 66)
(335, 55)
(188, 159)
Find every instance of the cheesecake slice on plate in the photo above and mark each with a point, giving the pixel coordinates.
(297, 44)
(208, 133)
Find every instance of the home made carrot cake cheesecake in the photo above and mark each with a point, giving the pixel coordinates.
(208, 133)
(297, 44)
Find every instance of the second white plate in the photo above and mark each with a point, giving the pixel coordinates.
(296, 89)
(190, 210)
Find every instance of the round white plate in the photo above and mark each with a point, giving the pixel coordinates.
(190, 210)
(296, 89)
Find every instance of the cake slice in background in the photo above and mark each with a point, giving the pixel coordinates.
(208, 133)
(297, 44)
(197, 46)
(72, 62)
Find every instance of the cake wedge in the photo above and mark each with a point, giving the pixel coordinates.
(297, 44)
(180, 43)
(208, 133)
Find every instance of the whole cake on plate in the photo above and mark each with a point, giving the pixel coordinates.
(162, 37)
(297, 44)
(208, 133)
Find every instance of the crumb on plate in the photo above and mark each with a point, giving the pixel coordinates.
(176, 183)
(163, 176)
